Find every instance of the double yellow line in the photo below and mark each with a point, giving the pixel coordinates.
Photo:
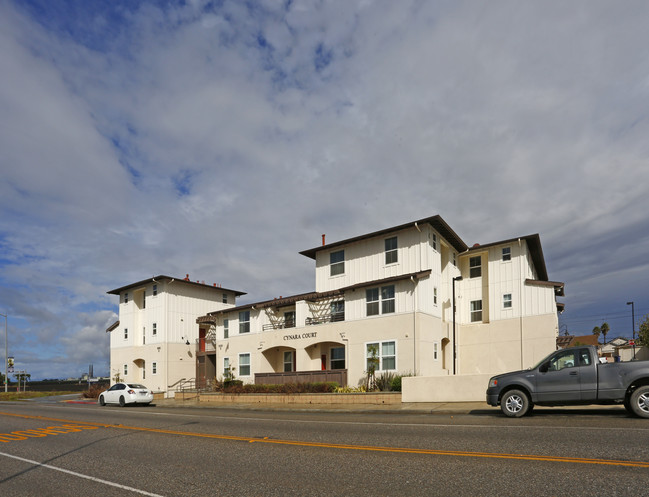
(370, 448)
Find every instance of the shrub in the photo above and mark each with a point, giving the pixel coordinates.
(94, 391)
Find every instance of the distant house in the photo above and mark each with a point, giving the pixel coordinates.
(623, 349)
(155, 338)
(565, 341)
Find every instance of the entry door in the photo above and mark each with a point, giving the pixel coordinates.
(201, 339)
(561, 381)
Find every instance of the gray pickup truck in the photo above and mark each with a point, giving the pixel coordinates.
(572, 376)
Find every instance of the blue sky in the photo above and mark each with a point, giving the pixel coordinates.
(221, 138)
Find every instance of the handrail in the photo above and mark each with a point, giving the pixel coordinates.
(171, 386)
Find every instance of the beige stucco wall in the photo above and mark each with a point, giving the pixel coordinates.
(464, 388)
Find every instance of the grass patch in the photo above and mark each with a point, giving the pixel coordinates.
(10, 396)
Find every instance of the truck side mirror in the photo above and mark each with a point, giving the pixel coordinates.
(543, 368)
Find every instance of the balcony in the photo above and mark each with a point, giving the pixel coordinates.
(279, 325)
(328, 318)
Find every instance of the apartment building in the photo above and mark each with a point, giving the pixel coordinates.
(154, 340)
(387, 298)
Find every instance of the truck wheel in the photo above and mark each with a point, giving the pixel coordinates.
(640, 401)
(514, 404)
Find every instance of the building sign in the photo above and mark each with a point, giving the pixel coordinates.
(299, 336)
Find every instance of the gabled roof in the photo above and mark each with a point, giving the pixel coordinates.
(534, 246)
(435, 221)
(185, 280)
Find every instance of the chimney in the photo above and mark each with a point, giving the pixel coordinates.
(187, 277)
(323, 239)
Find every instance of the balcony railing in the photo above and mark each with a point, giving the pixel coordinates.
(329, 318)
(280, 325)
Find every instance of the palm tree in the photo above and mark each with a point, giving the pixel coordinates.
(605, 329)
(596, 331)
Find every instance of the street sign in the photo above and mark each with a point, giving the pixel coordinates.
(631, 342)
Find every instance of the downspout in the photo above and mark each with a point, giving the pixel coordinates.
(414, 325)
(520, 257)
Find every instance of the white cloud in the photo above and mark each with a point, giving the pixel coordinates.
(144, 139)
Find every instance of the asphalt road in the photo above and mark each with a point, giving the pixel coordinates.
(62, 449)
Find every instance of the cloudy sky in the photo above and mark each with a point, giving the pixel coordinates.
(221, 138)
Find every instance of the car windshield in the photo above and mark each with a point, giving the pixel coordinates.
(135, 385)
(542, 360)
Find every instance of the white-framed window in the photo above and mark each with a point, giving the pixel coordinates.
(226, 328)
(288, 361)
(289, 319)
(337, 263)
(382, 354)
(435, 351)
(435, 296)
(125, 333)
(155, 290)
(225, 298)
(337, 360)
(507, 301)
(144, 300)
(507, 254)
(154, 329)
(143, 335)
(476, 311)
(391, 253)
(244, 364)
(226, 367)
(154, 368)
(475, 267)
(435, 242)
(454, 260)
(244, 322)
(125, 370)
(126, 298)
(385, 298)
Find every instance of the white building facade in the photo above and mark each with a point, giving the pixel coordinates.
(388, 296)
(154, 340)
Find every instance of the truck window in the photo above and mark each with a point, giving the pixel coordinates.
(564, 360)
(584, 357)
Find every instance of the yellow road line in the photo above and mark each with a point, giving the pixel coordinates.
(400, 450)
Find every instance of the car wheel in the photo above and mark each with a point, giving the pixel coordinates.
(102, 402)
(640, 402)
(122, 402)
(514, 404)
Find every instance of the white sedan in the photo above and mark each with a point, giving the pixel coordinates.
(126, 393)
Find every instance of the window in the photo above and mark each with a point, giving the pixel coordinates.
(244, 322)
(584, 357)
(435, 296)
(244, 364)
(435, 351)
(337, 263)
(126, 298)
(155, 290)
(154, 368)
(507, 254)
(288, 361)
(435, 241)
(475, 267)
(143, 335)
(387, 297)
(563, 360)
(125, 333)
(454, 260)
(338, 358)
(338, 311)
(386, 300)
(154, 330)
(507, 301)
(391, 255)
(289, 319)
(226, 367)
(125, 369)
(225, 298)
(476, 310)
(381, 356)
(143, 300)
(226, 328)
(372, 301)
